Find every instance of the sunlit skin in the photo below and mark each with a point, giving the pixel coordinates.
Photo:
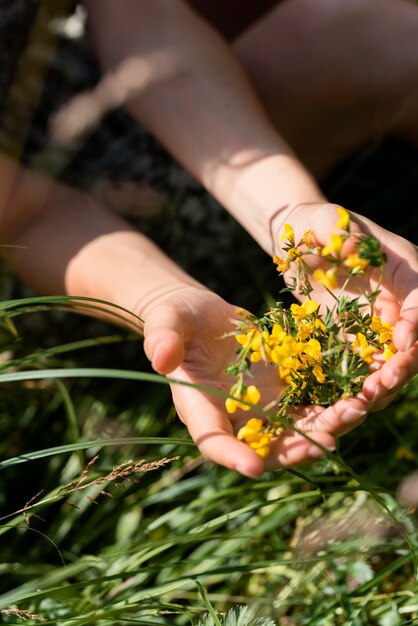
(311, 351)
(204, 361)
(396, 304)
(252, 170)
(257, 154)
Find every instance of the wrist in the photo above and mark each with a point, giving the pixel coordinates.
(129, 270)
(262, 194)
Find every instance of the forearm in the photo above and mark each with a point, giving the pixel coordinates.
(68, 243)
(203, 109)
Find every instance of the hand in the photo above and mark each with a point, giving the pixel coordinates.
(397, 304)
(184, 337)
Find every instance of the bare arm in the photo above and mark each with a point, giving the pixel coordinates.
(218, 130)
(67, 242)
(70, 243)
(203, 109)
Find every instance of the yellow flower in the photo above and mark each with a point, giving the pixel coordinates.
(294, 254)
(308, 238)
(305, 329)
(383, 329)
(364, 348)
(262, 446)
(356, 263)
(282, 264)
(288, 348)
(259, 346)
(404, 453)
(245, 339)
(375, 324)
(251, 429)
(388, 350)
(252, 433)
(326, 278)
(319, 324)
(289, 234)
(385, 332)
(312, 351)
(288, 366)
(231, 405)
(304, 310)
(319, 374)
(277, 334)
(344, 220)
(251, 394)
(334, 246)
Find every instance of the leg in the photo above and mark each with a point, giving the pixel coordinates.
(335, 75)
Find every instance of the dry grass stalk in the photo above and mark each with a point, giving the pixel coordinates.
(123, 472)
(22, 614)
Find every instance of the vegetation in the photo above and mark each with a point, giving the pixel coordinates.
(116, 519)
(110, 516)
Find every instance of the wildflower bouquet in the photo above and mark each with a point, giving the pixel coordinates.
(320, 355)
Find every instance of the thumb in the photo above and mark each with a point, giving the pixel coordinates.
(324, 219)
(164, 337)
(405, 333)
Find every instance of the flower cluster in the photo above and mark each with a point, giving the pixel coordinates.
(256, 436)
(320, 355)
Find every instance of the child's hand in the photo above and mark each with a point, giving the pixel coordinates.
(397, 304)
(184, 338)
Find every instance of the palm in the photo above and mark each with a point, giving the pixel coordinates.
(208, 353)
(189, 331)
(207, 319)
(400, 281)
(397, 304)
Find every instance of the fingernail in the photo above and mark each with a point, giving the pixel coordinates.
(370, 397)
(410, 341)
(393, 380)
(377, 392)
(408, 344)
(352, 415)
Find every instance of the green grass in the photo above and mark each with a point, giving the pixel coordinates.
(182, 541)
(186, 542)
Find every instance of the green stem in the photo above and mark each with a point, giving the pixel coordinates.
(207, 603)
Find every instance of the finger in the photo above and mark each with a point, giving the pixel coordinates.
(379, 389)
(324, 221)
(212, 432)
(405, 333)
(382, 401)
(164, 338)
(294, 449)
(394, 374)
(337, 420)
(403, 269)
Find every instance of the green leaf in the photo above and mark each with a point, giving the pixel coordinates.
(238, 616)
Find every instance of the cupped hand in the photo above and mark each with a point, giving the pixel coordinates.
(396, 304)
(185, 339)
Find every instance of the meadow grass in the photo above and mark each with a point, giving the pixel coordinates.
(110, 516)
